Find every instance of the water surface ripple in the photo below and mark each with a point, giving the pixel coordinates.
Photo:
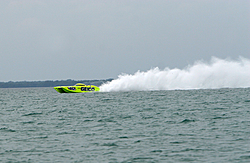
(40, 125)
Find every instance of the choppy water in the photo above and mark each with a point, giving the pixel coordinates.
(41, 125)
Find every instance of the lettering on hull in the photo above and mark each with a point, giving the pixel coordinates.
(87, 89)
(72, 88)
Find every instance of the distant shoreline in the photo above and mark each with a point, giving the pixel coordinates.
(50, 83)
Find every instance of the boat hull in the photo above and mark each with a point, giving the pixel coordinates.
(77, 89)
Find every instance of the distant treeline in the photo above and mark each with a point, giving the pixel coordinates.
(50, 83)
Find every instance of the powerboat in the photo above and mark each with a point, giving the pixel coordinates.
(78, 88)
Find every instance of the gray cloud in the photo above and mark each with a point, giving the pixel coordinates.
(81, 39)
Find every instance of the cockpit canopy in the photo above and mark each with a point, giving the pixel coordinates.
(80, 84)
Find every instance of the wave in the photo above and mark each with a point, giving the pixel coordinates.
(219, 73)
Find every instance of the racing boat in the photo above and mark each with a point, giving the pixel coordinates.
(78, 88)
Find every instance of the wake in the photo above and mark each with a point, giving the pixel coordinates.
(218, 73)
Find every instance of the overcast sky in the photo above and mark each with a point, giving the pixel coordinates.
(99, 39)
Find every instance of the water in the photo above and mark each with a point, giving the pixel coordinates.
(203, 125)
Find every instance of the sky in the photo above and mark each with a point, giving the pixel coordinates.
(101, 39)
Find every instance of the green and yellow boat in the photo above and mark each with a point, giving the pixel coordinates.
(78, 88)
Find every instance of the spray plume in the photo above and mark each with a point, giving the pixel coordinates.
(218, 73)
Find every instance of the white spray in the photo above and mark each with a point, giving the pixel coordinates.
(218, 73)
